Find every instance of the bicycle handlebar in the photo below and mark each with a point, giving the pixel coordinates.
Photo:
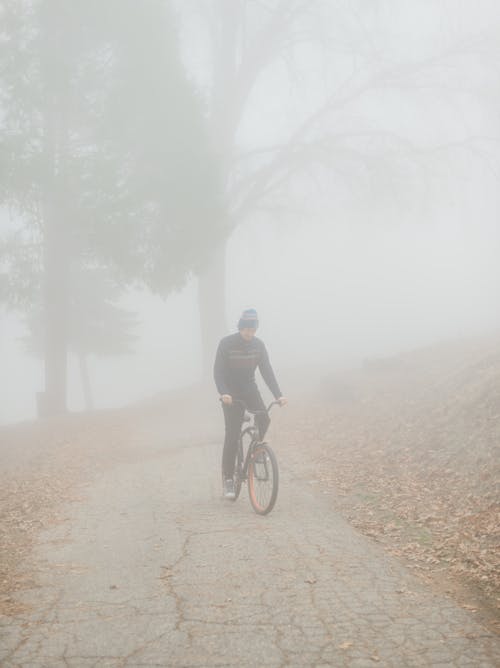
(242, 403)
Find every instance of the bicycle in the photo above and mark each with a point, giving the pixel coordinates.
(258, 466)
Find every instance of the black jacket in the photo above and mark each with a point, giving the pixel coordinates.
(235, 364)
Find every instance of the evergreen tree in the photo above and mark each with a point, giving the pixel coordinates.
(104, 158)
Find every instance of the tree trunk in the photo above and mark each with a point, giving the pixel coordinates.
(56, 308)
(212, 308)
(84, 377)
(56, 218)
(222, 123)
(56, 272)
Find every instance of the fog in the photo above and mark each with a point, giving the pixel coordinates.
(354, 202)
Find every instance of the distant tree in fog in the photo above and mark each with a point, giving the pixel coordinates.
(103, 159)
(336, 136)
(97, 326)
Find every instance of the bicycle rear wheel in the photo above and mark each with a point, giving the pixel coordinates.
(263, 479)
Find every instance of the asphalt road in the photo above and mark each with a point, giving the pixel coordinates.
(153, 568)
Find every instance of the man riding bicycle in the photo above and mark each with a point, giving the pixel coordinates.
(237, 358)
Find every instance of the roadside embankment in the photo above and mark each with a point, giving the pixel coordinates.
(411, 448)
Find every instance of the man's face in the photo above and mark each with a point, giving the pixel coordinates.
(247, 333)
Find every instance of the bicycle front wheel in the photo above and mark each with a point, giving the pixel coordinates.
(263, 479)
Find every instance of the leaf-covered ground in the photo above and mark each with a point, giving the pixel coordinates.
(411, 448)
(45, 465)
(42, 465)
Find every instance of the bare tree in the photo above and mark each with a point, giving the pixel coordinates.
(329, 136)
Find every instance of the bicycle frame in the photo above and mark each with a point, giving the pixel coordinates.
(252, 431)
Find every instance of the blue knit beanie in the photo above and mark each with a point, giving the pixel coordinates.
(248, 319)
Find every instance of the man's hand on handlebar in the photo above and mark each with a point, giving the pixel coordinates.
(226, 399)
(282, 401)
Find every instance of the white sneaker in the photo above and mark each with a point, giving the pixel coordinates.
(229, 492)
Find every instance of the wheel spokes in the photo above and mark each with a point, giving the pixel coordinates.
(262, 479)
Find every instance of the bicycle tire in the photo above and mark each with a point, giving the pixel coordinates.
(263, 479)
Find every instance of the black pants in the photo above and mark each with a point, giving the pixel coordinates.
(233, 419)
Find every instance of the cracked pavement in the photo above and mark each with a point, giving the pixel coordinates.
(153, 568)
